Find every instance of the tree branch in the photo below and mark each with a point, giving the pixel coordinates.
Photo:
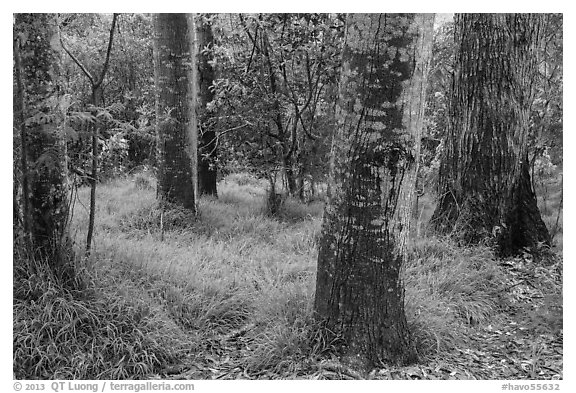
(108, 51)
(74, 58)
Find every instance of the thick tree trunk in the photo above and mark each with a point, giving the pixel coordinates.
(176, 125)
(48, 202)
(208, 149)
(484, 183)
(380, 108)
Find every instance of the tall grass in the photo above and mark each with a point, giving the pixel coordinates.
(163, 283)
(448, 290)
(107, 330)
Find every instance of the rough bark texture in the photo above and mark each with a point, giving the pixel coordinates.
(207, 173)
(359, 294)
(48, 202)
(176, 119)
(484, 183)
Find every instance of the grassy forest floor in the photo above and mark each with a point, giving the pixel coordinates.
(229, 295)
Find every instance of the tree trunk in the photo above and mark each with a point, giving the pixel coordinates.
(380, 109)
(290, 175)
(484, 183)
(96, 98)
(18, 109)
(208, 149)
(301, 181)
(176, 125)
(286, 149)
(48, 203)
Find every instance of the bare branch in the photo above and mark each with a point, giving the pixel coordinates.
(108, 51)
(74, 58)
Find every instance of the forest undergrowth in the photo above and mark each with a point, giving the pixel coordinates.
(229, 295)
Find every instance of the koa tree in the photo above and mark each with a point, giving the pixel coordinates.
(484, 181)
(359, 293)
(44, 193)
(176, 125)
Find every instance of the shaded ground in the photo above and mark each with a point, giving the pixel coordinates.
(524, 342)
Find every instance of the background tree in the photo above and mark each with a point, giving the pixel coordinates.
(130, 83)
(96, 101)
(208, 148)
(380, 109)
(126, 142)
(545, 125)
(484, 181)
(276, 93)
(175, 110)
(45, 211)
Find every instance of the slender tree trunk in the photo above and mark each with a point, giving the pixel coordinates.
(286, 151)
(48, 203)
(484, 183)
(208, 149)
(20, 126)
(380, 109)
(176, 125)
(96, 101)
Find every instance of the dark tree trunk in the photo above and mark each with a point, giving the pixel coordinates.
(96, 101)
(48, 202)
(380, 109)
(175, 110)
(208, 149)
(290, 176)
(484, 183)
(301, 186)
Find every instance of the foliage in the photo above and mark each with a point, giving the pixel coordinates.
(128, 89)
(436, 112)
(546, 117)
(277, 86)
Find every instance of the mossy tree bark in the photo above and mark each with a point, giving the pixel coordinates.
(208, 149)
(176, 125)
(484, 183)
(380, 108)
(47, 207)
